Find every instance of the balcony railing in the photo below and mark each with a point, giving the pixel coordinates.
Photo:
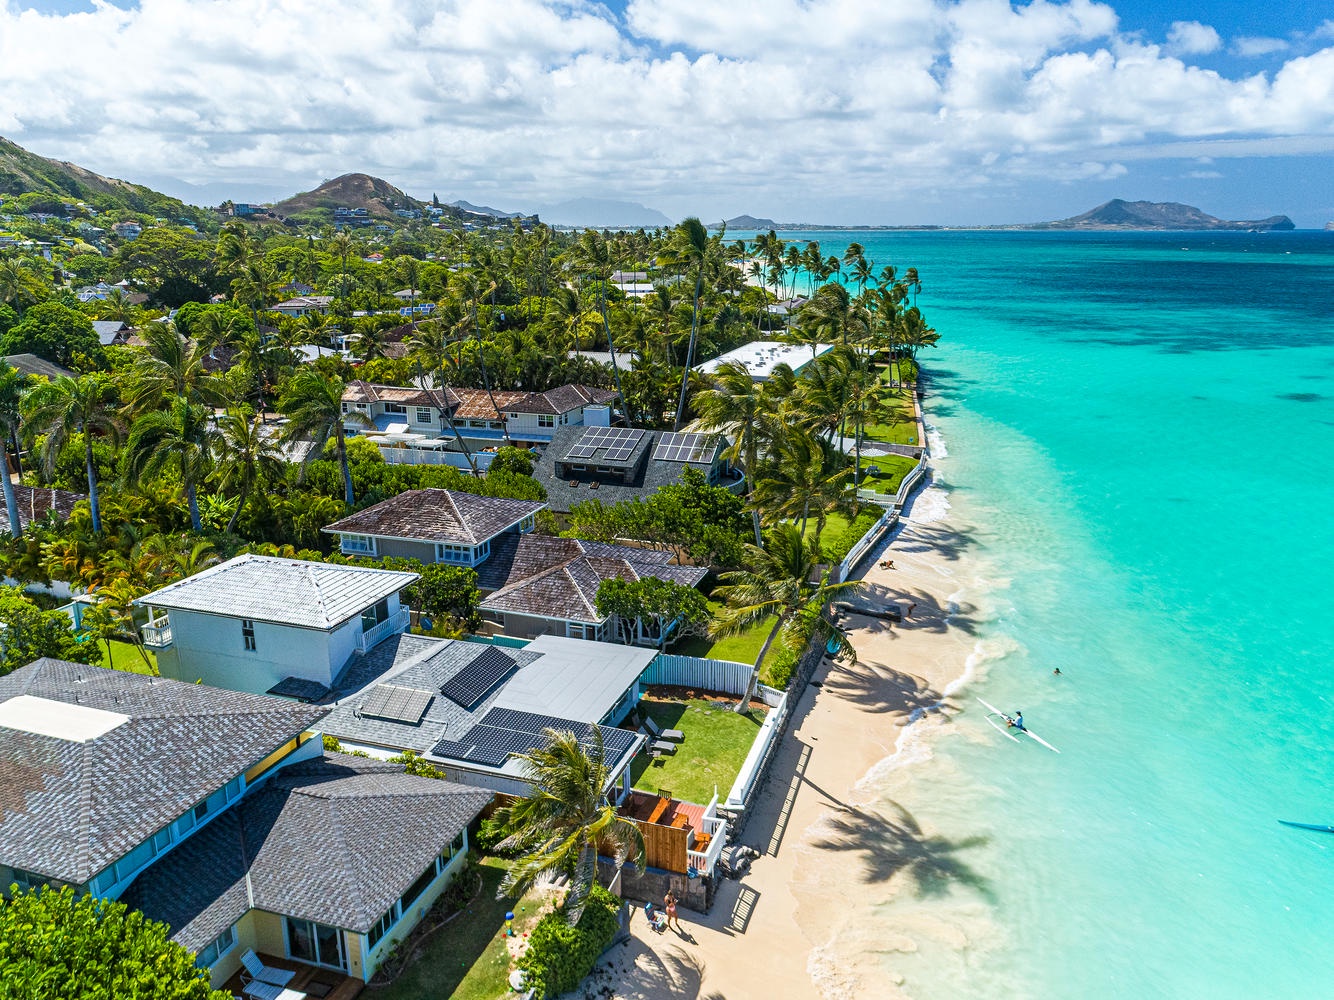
(716, 828)
(157, 633)
(390, 626)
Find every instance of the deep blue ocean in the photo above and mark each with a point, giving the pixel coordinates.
(1139, 432)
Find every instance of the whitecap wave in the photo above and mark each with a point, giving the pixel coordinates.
(935, 442)
(930, 505)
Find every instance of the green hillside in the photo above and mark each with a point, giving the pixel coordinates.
(50, 183)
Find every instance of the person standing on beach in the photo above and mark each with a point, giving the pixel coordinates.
(669, 903)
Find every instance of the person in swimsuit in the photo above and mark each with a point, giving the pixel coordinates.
(669, 902)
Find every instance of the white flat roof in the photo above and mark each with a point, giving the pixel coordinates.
(761, 357)
(58, 719)
(575, 679)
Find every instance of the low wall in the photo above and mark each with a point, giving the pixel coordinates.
(652, 884)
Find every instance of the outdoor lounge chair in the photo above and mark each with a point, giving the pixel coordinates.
(259, 972)
(660, 748)
(675, 735)
(257, 990)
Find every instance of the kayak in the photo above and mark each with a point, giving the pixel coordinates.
(1025, 730)
(1003, 730)
(1307, 826)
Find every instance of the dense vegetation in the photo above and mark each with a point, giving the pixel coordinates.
(55, 945)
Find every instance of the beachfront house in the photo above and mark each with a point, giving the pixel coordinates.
(622, 463)
(257, 623)
(433, 525)
(236, 830)
(471, 707)
(761, 357)
(541, 585)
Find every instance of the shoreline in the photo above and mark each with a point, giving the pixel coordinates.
(833, 849)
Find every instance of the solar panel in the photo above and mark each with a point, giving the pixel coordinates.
(505, 732)
(677, 447)
(475, 681)
(397, 704)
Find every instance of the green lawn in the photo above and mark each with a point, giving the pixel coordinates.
(903, 428)
(892, 469)
(717, 741)
(125, 656)
(467, 959)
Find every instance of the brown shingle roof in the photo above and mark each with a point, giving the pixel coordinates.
(35, 504)
(435, 515)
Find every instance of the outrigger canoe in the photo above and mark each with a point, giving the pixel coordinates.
(1009, 724)
(1307, 826)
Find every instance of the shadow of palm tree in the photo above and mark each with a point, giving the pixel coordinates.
(893, 845)
(641, 972)
(879, 689)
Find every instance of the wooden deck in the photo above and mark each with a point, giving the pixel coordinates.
(317, 983)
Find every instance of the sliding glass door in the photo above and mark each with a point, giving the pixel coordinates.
(315, 943)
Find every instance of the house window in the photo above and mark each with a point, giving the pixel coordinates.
(27, 880)
(374, 615)
(418, 887)
(359, 543)
(477, 423)
(345, 408)
(423, 415)
(395, 408)
(218, 947)
(381, 927)
(496, 425)
(446, 552)
(248, 634)
(315, 943)
(546, 420)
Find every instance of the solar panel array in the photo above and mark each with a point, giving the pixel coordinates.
(504, 732)
(397, 704)
(676, 447)
(480, 677)
(619, 442)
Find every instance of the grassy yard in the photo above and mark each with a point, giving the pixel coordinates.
(717, 741)
(892, 469)
(125, 656)
(468, 959)
(902, 428)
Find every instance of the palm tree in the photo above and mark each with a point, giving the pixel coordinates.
(244, 455)
(833, 316)
(690, 248)
(807, 477)
(777, 582)
(313, 406)
(172, 366)
(71, 406)
(738, 406)
(12, 385)
(180, 439)
(595, 255)
(565, 819)
(20, 284)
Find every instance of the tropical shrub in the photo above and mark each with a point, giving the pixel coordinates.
(55, 945)
(560, 956)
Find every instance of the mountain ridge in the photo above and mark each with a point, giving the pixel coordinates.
(1158, 215)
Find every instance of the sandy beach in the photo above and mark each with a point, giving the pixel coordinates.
(833, 847)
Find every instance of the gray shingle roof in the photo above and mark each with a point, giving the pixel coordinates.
(31, 364)
(568, 590)
(335, 840)
(282, 591)
(434, 515)
(69, 809)
(518, 557)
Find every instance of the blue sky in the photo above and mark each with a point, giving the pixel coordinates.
(841, 111)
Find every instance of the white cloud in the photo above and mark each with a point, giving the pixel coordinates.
(1251, 47)
(1202, 175)
(1191, 38)
(686, 105)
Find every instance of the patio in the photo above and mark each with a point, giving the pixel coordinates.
(314, 982)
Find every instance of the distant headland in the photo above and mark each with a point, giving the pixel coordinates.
(1113, 216)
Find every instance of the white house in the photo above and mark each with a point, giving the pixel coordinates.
(255, 622)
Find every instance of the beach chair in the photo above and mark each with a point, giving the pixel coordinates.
(262, 973)
(661, 748)
(257, 990)
(675, 735)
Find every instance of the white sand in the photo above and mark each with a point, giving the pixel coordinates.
(796, 926)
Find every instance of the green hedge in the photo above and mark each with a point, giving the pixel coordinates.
(560, 956)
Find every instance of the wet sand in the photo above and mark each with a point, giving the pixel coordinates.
(833, 846)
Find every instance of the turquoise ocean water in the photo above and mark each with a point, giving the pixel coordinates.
(1140, 437)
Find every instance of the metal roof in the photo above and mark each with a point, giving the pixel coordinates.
(575, 679)
(281, 591)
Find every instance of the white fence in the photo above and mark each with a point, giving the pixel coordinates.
(873, 535)
(436, 456)
(724, 676)
(760, 750)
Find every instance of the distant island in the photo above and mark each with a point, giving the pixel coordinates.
(1156, 215)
